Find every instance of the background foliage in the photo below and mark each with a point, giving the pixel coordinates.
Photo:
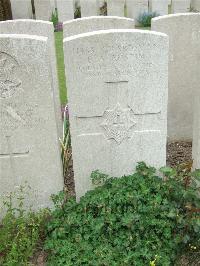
(145, 18)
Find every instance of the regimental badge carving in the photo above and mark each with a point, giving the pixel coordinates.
(14, 116)
(118, 123)
(9, 83)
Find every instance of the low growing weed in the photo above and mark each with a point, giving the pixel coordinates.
(138, 220)
(20, 231)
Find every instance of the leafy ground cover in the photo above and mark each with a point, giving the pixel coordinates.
(140, 219)
(136, 220)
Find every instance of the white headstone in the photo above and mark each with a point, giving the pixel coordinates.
(29, 150)
(39, 28)
(180, 6)
(117, 88)
(65, 10)
(83, 25)
(43, 9)
(196, 129)
(21, 9)
(53, 5)
(136, 8)
(89, 8)
(115, 8)
(184, 36)
(159, 6)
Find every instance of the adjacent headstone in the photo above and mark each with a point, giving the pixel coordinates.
(83, 25)
(196, 130)
(21, 9)
(39, 28)
(65, 10)
(115, 8)
(159, 6)
(180, 6)
(89, 8)
(29, 150)
(43, 9)
(77, 3)
(184, 35)
(53, 4)
(117, 88)
(136, 8)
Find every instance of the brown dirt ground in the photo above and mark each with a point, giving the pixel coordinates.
(178, 153)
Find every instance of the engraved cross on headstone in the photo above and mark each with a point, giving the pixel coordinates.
(119, 122)
(11, 155)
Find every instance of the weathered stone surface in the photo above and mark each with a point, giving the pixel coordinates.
(65, 10)
(83, 25)
(196, 130)
(21, 9)
(180, 6)
(89, 8)
(43, 9)
(53, 4)
(115, 8)
(184, 36)
(159, 6)
(39, 28)
(117, 89)
(135, 8)
(29, 148)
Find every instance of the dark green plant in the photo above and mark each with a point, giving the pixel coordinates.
(103, 9)
(145, 18)
(20, 231)
(77, 13)
(54, 18)
(139, 219)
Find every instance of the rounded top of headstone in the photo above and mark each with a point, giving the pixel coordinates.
(26, 21)
(175, 16)
(78, 20)
(23, 36)
(114, 31)
(96, 23)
